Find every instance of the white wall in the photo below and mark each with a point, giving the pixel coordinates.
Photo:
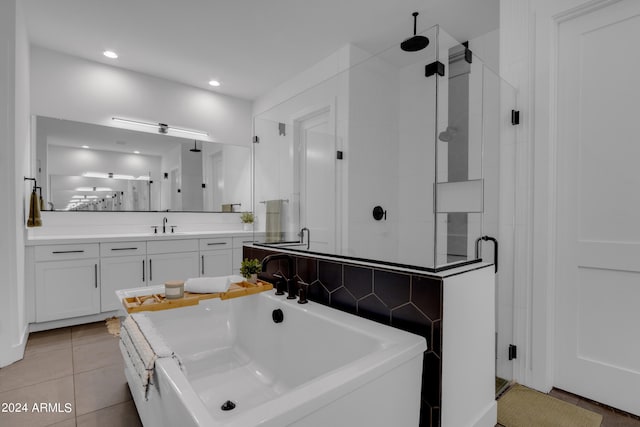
(372, 154)
(72, 88)
(323, 70)
(487, 48)
(15, 155)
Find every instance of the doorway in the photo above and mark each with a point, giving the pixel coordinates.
(315, 169)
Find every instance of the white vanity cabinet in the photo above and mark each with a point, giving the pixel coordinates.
(67, 282)
(74, 280)
(216, 257)
(123, 265)
(172, 260)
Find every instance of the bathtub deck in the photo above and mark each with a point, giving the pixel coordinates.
(228, 374)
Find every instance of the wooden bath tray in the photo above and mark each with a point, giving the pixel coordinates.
(156, 302)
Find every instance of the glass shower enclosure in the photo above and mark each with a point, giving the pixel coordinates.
(398, 157)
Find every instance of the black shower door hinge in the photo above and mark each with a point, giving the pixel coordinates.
(256, 139)
(434, 68)
(513, 352)
(515, 117)
(468, 55)
(339, 155)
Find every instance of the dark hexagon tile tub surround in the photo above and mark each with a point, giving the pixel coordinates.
(330, 274)
(407, 317)
(342, 299)
(412, 302)
(426, 295)
(306, 269)
(318, 293)
(373, 309)
(358, 280)
(394, 289)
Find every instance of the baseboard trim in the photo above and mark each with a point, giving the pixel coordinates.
(16, 352)
(43, 326)
(489, 418)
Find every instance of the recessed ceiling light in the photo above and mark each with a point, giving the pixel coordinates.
(85, 146)
(136, 152)
(214, 83)
(110, 54)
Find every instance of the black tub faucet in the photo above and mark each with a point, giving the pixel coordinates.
(291, 286)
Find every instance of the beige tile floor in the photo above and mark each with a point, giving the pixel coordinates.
(79, 365)
(82, 366)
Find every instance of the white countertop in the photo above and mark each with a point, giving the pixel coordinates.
(380, 264)
(131, 237)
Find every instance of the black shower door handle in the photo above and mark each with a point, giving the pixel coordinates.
(495, 249)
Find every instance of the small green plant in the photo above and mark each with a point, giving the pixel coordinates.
(249, 267)
(247, 217)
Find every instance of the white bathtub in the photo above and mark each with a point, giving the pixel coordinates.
(319, 367)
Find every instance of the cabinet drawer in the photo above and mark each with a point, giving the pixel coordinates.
(215, 244)
(123, 249)
(64, 252)
(172, 246)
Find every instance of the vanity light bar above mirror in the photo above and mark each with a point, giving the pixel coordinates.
(114, 176)
(161, 127)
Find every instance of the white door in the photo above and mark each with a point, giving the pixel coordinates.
(317, 156)
(598, 205)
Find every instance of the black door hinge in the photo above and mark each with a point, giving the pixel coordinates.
(339, 155)
(256, 139)
(434, 68)
(515, 117)
(468, 55)
(513, 352)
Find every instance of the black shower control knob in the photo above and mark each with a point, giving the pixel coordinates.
(379, 213)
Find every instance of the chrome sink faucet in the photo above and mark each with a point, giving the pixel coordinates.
(164, 225)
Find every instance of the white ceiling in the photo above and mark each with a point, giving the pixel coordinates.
(249, 45)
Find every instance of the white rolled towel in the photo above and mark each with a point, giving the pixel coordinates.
(207, 285)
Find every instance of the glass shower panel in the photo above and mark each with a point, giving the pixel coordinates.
(506, 231)
(365, 137)
(297, 177)
(275, 206)
(460, 184)
(407, 155)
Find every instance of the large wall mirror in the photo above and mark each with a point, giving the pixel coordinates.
(88, 167)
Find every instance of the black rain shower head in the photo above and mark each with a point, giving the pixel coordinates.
(195, 148)
(415, 43)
